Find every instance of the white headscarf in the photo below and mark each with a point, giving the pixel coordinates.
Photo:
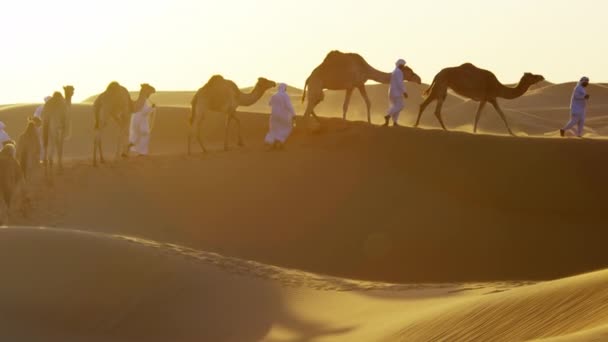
(400, 62)
(583, 80)
(282, 99)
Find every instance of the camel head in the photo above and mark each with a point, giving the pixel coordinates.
(410, 76)
(147, 90)
(529, 79)
(34, 121)
(69, 91)
(264, 84)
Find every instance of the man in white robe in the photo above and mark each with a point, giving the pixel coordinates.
(578, 107)
(396, 94)
(4, 137)
(281, 118)
(141, 128)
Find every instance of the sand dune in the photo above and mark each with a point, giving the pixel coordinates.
(393, 205)
(473, 212)
(75, 286)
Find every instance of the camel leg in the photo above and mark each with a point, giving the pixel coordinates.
(50, 156)
(482, 104)
(226, 131)
(238, 129)
(423, 106)
(124, 134)
(197, 127)
(368, 103)
(199, 135)
(502, 115)
(349, 93)
(118, 144)
(60, 153)
(101, 158)
(95, 133)
(438, 113)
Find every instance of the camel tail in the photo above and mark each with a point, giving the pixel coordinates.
(305, 87)
(430, 88)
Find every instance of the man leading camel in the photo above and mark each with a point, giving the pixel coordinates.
(396, 94)
(578, 105)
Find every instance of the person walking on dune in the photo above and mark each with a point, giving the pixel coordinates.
(281, 118)
(142, 123)
(4, 137)
(396, 94)
(578, 105)
(38, 116)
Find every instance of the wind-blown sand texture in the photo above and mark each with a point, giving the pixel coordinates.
(479, 224)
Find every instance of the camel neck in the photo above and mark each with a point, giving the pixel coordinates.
(247, 99)
(139, 103)
(513, 93)
(378, 76)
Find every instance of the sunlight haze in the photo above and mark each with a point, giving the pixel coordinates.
(179, 44)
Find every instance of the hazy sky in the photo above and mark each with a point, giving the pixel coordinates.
(179, 44)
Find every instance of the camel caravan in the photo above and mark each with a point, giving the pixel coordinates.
(45, 133)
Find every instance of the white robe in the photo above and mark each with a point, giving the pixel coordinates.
(395, 95)
(4, 137)
(578, 105)
(38, 114)
(140, 129)
(281, 117)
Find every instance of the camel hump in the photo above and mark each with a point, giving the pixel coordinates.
(469, 66)
(113, 86)
(215, 79)
(336, 56)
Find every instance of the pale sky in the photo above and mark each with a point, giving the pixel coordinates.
(179, 44)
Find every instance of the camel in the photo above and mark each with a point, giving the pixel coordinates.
(68, 92)
(28, 148)
(346, 71)
(220, 95)
(54, 130)
(115, 103)
(12, 184)
(477, 84)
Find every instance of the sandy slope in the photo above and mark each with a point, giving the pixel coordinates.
(75, 286)
(356, 201)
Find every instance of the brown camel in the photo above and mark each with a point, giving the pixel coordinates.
(28, 148)
(12, 184)
(54, 130)
(220, 95)
(115, 103)
(68, 92)
(345, 71)
(477, 84)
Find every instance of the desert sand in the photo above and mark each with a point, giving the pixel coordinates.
(453, 236)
